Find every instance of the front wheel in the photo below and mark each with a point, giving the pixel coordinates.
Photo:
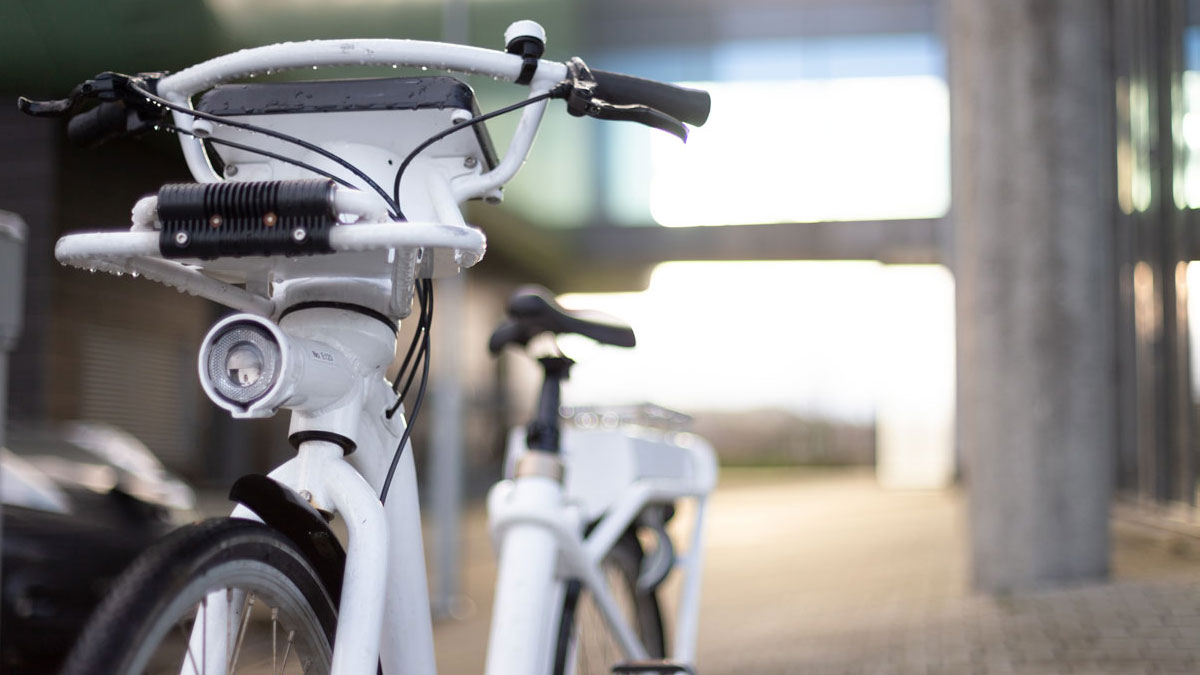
(586, 646)
(224, 595)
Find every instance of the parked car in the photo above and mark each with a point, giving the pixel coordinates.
(80, 501)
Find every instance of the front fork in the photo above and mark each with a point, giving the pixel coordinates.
(384, 610)
(384, 613)
(361, 611)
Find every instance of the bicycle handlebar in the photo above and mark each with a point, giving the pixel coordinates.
(99, 124)
(599, 94)
(684, 104)
(687, 105)
(367, 52)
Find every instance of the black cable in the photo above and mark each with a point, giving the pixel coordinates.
(418, 344)
(424, 354)
(423, 318)
(259, 151)
(274, 134)
(412, 345)
(553, 93)
(387, 481)
(421, 337)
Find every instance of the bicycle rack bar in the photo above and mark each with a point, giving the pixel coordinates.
(137, 253)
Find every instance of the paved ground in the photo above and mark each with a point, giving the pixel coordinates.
(822, 572)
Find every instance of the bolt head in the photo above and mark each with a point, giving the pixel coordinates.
(231, 170)
(470, 162)
(181, 238)
(299, 234)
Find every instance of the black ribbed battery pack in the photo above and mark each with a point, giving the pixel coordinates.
(246, 218)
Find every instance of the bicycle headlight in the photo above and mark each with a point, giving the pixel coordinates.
(243, 362)
(251, 367)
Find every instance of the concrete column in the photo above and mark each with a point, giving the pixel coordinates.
(1032, 157)
(445, 484)
(446, 442)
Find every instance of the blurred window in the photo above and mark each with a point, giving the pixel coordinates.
(803, 130)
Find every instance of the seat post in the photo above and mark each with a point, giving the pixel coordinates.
(543, 432)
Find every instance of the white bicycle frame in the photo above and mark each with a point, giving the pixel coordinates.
(536, 523)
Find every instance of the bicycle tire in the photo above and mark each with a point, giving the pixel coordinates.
(585, 646)
(142, 625)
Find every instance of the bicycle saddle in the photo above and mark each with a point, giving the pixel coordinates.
(533, 311)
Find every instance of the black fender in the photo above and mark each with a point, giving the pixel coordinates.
(283, 510)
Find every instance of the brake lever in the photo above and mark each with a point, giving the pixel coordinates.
(641, 114)
(107, 86)
(60, 107)
(52, 108)
(579, 90)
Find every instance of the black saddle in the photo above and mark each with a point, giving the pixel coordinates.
(533, 311)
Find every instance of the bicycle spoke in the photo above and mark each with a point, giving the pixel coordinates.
(187, 640)
(274, 632)
(247, 608)
(228, 621)
(596, 647)
(287, 650)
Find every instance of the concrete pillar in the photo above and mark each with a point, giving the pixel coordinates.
(445, 483)
(447, 442)
(1032, 157)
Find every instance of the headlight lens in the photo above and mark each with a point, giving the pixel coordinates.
(244, 362)
(244, 365)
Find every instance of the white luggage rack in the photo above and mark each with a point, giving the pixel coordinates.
(646, 415)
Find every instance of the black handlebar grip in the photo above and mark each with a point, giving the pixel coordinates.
(684, 104)
(103, 122)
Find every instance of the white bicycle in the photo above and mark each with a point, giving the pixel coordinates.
(289, 223)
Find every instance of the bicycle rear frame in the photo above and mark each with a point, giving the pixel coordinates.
(345, 443)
